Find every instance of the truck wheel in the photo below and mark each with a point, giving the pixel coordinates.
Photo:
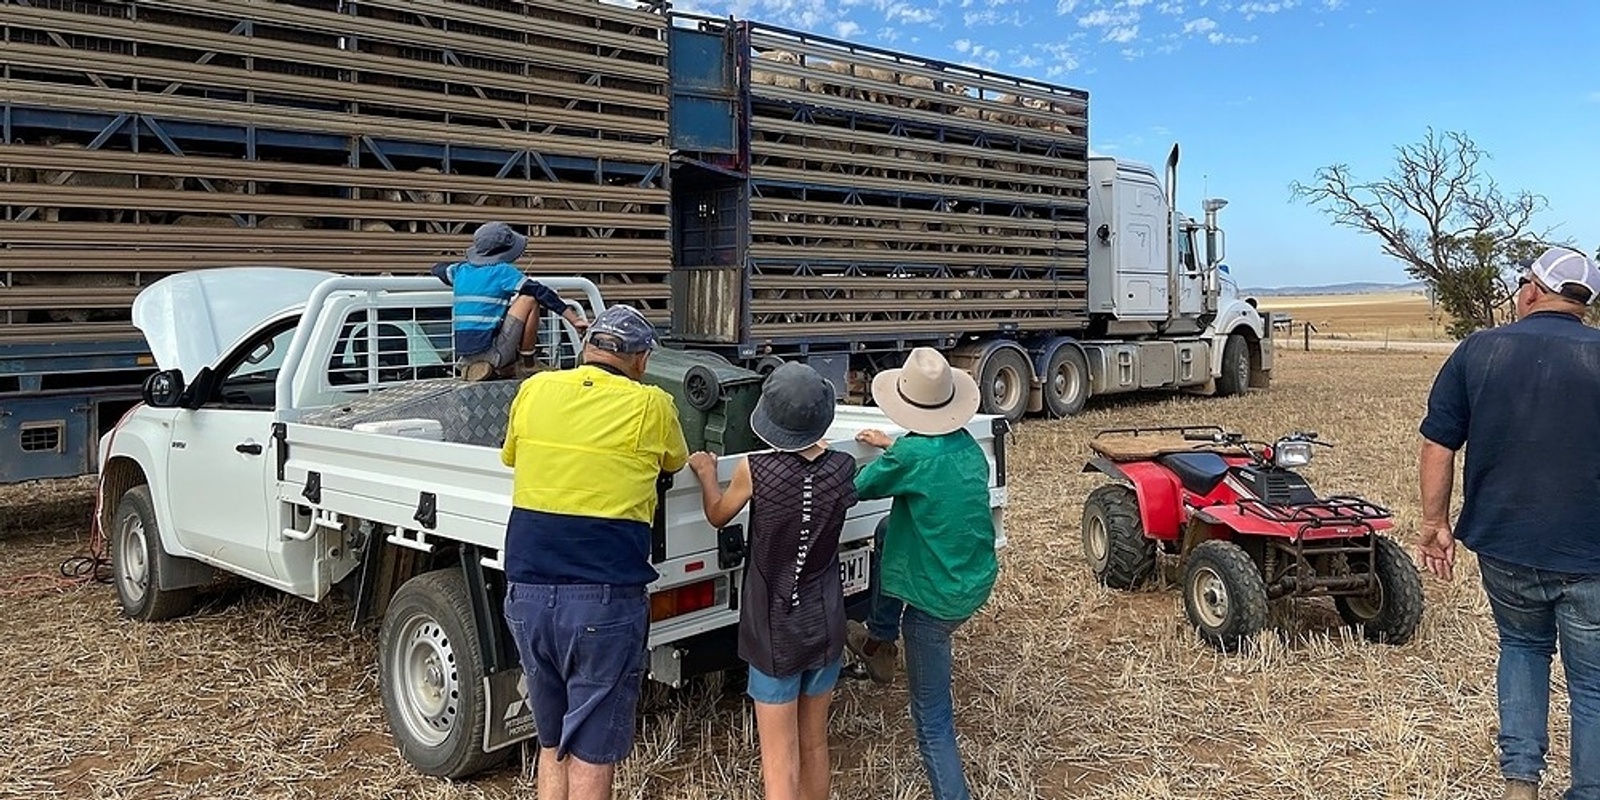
(1119, 553)
(431, 673)
(136, 561)
(1224, 595)
(1066, 381)
(1390, 614)
(1004, 380)
(1235, 377)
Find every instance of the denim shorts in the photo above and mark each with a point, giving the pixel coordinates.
(767, 689)
(583, 653)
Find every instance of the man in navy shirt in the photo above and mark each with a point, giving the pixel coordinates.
(1527, 398)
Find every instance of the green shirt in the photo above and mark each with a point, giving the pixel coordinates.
(938, 552)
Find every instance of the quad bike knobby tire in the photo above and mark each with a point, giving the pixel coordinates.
(1118, 552)
(1391, 614)
(1224, 595)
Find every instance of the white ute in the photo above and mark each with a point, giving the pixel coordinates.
(245, 457)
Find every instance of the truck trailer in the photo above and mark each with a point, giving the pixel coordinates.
(762, 194)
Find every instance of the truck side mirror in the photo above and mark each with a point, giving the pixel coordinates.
(163, 389)
(1216, 245)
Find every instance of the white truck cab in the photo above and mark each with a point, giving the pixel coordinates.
(305, 432)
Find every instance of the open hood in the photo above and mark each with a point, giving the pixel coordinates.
(190, 319)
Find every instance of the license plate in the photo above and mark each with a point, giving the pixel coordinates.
(853, 566)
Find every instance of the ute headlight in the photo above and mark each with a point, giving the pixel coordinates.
(1291, 454)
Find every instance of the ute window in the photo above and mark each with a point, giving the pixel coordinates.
(250, 375)
(384, 346)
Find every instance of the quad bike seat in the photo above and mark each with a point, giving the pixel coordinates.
(1199, 472)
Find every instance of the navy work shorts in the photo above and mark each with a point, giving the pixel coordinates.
(583, 652)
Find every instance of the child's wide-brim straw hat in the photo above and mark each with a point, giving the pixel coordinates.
(926, 396)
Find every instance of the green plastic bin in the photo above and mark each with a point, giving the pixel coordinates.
(714, 399)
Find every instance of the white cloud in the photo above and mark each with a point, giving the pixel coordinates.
(1065, 7)
(1594, 97)
(1171, 9)
(1027, 62)
(963, 46)
(1221, 38)
(846, 29)
(1201, 25)
(1332, 5)
(1122, 34)
(907, 13)
(1108, 18)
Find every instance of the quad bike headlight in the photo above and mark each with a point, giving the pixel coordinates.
(1291, 454)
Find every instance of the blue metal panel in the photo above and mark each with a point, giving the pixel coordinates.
(47, 437)
(704, 84)
(51, 359)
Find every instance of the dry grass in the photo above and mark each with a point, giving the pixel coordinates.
(1064, 689)
(1393, 316)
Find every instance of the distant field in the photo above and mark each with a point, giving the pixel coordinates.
(1393, 315)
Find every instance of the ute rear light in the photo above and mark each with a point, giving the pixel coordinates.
(689, 598)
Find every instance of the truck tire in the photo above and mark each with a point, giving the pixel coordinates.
(1004, 379)
(1224, 596)
(431, 673)
(1114, 544)
(1235, 377)
(1392, 614)
(136, 561)
(1066, 381)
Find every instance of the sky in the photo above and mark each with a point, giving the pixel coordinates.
(1264, 92)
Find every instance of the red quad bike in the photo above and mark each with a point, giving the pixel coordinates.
(1245, 529)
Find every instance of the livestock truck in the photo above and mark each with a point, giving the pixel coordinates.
(762, 194)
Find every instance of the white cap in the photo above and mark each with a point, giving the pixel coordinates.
(1559, 267)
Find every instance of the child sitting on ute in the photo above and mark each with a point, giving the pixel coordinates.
(494, 301)
(791, 617)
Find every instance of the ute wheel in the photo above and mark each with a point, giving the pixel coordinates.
(1118, 552)
(767, 364)
(431, 675)
(136, 561)
(1066, 381)
(1224, 595)
(1390, 614)
(1004, 380)
(1235, 377)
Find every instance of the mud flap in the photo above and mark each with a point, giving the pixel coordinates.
(510, 714)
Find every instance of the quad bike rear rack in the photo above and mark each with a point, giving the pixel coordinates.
(1333, 511)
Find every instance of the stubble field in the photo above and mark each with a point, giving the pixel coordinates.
(1402, 316)
(1063, 689)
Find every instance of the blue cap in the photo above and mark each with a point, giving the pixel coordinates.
(622, 329)
(495, 243)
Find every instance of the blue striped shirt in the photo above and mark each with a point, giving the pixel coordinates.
(483, 293)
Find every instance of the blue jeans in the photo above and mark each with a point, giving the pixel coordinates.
(928, 668)
(1534, 610)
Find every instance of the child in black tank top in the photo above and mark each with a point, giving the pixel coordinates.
(791, 619)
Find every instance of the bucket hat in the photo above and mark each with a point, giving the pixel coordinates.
(495, 243)
(795, 409)
(926, 396)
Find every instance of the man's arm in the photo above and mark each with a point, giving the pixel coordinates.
(1436, 467)
(675, 453)
(508, 451)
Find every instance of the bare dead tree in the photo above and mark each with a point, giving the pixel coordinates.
(1439, 215)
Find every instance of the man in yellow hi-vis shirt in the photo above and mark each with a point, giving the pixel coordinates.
(587, 446)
